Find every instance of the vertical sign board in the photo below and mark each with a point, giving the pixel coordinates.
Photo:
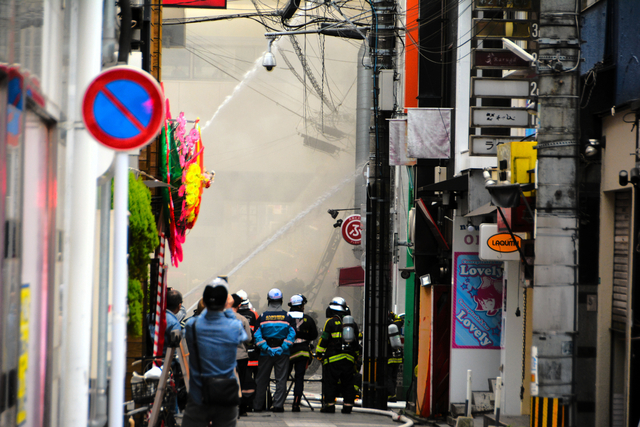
(476, 312)
(477, 296)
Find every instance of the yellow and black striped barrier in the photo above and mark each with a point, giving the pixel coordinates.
(547, 412)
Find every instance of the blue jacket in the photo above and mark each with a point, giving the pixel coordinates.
(275, 327)
(172, 323)
(219, 334)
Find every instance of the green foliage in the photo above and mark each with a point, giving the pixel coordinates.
(143, 239)
(134, 297)
(143, 233)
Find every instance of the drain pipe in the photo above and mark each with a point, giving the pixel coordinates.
(109, 33)
(363, 123)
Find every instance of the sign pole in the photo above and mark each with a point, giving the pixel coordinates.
(123, 109)
(120, 286)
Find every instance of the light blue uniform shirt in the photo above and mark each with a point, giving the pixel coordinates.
(218, 334)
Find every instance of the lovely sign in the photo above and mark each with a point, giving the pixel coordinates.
(477, 295)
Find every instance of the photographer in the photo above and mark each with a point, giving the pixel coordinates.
(213, 338)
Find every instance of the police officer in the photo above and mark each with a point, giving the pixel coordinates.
(274, 337)
(340, 355)
(306, 332)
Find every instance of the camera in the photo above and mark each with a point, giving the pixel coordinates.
(269, 61)
(405, 273)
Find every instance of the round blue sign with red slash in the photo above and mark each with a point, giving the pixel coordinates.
(123, 108)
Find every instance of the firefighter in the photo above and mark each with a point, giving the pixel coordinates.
(339, 351)
(306, 332)
(275, 334)
(249, 382)
(394, 348)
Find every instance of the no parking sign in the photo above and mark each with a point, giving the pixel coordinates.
(123, 108)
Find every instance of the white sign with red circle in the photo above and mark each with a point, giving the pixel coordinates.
(123, 108)
(352, 230)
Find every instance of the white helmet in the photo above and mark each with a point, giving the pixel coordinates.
(242, 294)
(338, 304)
(274, 294)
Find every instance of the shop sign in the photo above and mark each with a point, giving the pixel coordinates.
(352, 230)
(477, 295)
(515, 29)
(503, 242)
(487, 145)
(499, 246)
(498, 58)
(504, 4)
(491, 87)
(500, 117)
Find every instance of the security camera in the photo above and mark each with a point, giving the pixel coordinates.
(269, 61)
(405, 273)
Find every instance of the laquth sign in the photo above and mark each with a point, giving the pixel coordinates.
(498, 246)
(503, 242)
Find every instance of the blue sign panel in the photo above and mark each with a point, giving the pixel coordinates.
(477, 302)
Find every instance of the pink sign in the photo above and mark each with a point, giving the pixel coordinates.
(477, 295)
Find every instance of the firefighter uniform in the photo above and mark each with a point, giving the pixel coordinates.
(306, 332)
(394, 362)
(249, 382)
(339, 359)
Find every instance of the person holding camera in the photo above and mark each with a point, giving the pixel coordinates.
(213, 338)
(274, 336)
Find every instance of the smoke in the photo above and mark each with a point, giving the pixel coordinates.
(281, 231)
(264, 219)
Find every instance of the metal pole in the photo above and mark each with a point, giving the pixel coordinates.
(467, 403)
(120, 285)
(556, 240)
(634, 342)
(99, 404)
(378, 243)
(145, 36)
(363, 122)
(82, 192)
(496, 410)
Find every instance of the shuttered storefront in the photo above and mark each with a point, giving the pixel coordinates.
(621, 260)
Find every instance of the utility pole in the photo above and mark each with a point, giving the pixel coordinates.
(556, 241)
(378, 215)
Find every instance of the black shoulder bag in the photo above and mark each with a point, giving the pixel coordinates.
(216, 391)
